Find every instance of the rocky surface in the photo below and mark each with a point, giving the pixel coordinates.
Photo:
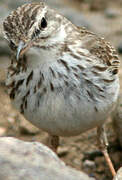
(21, 160)
(118, 175)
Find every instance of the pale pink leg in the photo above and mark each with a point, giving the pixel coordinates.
(103, 143)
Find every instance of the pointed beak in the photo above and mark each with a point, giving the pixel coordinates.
(22, 48)
(19, 49)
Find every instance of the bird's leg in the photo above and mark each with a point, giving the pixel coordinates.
(53, 142)
(103, 143)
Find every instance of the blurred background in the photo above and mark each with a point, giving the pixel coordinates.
(104, 17)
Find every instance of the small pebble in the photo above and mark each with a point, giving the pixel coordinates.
(88, 163)
(77, 162)
(62, 151)
(118, 175)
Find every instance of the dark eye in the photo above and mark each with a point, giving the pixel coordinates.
(12, 45)
(43, 23)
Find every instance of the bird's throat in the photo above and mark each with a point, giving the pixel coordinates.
(42, 55)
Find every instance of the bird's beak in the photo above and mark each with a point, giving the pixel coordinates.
(22, 48)
(19, 49)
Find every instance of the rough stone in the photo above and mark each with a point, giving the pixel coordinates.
(118, 175)
(89, 164)
(21, 160)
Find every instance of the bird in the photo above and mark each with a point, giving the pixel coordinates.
(62, 78)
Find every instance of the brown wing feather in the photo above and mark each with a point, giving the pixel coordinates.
(101, 49)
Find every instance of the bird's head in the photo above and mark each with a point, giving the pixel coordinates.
(34, 25)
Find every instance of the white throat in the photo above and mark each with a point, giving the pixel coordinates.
(50, 50)
(38, 56)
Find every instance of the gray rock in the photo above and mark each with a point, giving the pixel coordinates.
(89, 164)
(21, 160)
(118, 175)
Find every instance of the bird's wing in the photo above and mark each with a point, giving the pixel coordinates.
(101, 49)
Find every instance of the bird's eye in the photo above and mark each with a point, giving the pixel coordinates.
(12, 45)
(43, 23)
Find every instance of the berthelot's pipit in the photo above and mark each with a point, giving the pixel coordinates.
(62, 78)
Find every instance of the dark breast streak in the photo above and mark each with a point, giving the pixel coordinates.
(66, 82)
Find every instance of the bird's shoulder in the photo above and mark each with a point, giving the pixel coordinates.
(100, 48)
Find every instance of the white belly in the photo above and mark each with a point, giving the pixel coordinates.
(62, 116)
